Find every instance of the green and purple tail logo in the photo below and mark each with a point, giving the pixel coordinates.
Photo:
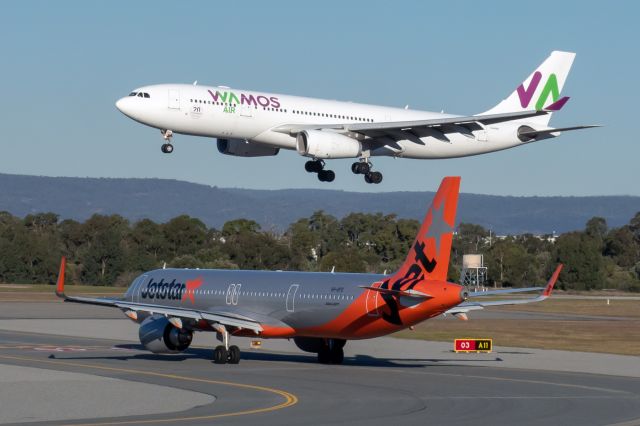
(550, 89)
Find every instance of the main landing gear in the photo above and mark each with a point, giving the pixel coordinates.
(167, 148)
(225, 354)
(317, 166)
(363, 167)
(332, 352)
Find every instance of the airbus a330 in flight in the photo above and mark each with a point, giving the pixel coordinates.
(254, 124)
(319, 311)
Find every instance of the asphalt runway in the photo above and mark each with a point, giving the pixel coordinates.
(50, 375)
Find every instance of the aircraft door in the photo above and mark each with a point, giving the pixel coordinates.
(371, 301)
(174, 99)
(135, 293)
(246, 110)
(291, 296)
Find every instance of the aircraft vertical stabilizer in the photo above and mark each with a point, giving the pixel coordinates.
(541, 90)
(429, 255)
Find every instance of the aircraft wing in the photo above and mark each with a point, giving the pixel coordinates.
(456, 124)
(225, 317)
(473, 305)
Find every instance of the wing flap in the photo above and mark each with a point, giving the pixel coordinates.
(233, 322)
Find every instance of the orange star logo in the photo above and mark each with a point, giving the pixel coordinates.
(191, 288)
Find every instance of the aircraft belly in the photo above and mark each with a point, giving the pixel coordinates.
(313, 316)
(280, 140)
(430, 147)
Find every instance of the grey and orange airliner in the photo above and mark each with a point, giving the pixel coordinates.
(319, 311)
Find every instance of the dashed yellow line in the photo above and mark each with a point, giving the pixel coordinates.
(289, 398)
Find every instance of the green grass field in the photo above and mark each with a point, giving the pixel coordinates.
(599, 333)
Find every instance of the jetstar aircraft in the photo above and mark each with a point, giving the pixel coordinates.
(254, 124)
(319, 311)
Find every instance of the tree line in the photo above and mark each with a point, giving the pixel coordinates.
(108, 249)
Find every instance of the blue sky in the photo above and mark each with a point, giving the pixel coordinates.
(65, 63)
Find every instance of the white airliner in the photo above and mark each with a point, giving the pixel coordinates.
(253, 124)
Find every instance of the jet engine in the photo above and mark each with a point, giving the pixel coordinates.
(159, 336)
(245, 148)
(323, 144)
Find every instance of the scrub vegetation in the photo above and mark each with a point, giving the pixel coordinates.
(109, 250)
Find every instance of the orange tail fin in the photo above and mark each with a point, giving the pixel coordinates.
(60, 282)
(428, 258)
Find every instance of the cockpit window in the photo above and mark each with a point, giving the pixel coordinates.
(139, 94)
(133, 93)
(146, 95)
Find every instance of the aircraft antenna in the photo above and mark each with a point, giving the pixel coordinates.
(164, 265)
(333, 269)
(195, 83)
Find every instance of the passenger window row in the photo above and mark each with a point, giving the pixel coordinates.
(342, 117)
(298, 112)
(281, 295)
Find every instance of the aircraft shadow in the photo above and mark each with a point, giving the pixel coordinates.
(206, 354)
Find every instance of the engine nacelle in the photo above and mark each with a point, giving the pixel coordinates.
(245, 148)
(319, 144)
(315, 344)
(159, 336)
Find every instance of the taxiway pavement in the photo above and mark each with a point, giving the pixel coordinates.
(74, 359)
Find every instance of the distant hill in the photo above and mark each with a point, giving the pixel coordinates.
(163, 199)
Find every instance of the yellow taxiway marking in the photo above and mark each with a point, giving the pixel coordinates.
(289, 398)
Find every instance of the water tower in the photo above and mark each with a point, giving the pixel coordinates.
(474, 273)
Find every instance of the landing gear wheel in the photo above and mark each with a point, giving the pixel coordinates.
(220, 355)
(333, 355)
(326, 176)
(361, 168)
(373, 177)
(234, 354)
(314, 166)
(167, 148)
(336, 355)
(324, 356)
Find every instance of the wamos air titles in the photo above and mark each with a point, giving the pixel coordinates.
(319, 311)
(254, 124)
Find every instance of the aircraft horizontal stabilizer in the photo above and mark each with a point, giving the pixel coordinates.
(546, 132)
(400, 293)
(473, 305)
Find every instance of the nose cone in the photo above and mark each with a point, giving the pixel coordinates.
(124, 105)
(129, 107)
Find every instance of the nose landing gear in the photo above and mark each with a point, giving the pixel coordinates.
(167, 148)
(363, 167)
(317, 166)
